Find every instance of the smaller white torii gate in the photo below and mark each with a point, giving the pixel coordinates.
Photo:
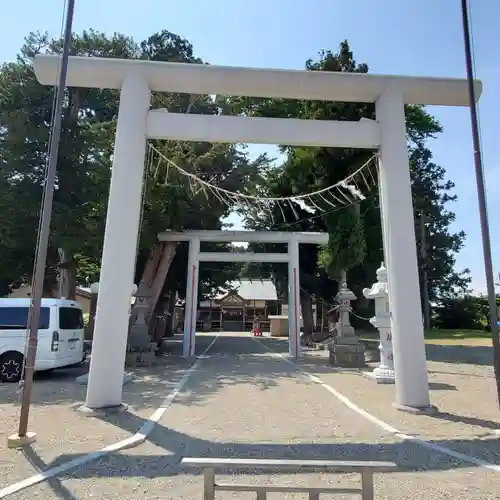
(195, 257)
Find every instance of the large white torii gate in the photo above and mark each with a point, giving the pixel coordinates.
(136, 123)
(291, 257)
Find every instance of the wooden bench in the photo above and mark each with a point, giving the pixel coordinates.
(365, 469)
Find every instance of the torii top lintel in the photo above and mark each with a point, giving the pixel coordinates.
(245, 236)
(96, 72)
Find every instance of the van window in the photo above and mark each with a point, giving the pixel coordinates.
(70, 318)
(16, 318)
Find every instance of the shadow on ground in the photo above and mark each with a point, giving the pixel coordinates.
(153, 384)
(53, 482)
(241, 369)
(408, 455)
(59, 387)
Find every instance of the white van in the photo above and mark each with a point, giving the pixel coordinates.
(60, 336)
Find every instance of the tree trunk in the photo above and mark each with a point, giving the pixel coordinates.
(48, 289)
(169, 326)
(151, 265)
(168, 251)
(67, 275)
(153, 278)
(307, 318)
(156, 321)
(156, 270)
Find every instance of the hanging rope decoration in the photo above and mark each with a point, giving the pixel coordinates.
(351, 190)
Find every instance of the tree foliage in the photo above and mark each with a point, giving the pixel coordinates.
(346, 247)
(462, 312)
(432, 193)
(355, 233)
(84, 167)
(26, 109)
(84, 162)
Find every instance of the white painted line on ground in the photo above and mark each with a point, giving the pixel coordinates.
(138, 438)
(383, 425)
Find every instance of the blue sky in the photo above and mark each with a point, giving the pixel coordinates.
(398, 37)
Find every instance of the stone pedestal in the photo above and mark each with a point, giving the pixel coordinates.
(140, 349)
(345, 350)
(379, 292)
(278, 326)
(17, 441)
(347, 355)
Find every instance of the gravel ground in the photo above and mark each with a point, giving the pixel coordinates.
(464, 394)
(245, 402)
(60, 428)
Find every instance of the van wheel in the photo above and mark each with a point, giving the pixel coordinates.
(11, 367)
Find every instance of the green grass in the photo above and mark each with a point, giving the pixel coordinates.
(437, 334)
(447, 336)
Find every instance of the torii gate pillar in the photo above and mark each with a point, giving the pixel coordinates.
(410, 365)
(120, 246)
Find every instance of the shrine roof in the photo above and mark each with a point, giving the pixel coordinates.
(250, 290)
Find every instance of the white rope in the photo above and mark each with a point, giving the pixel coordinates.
(351, 190)
(149, 163)
(343, 183)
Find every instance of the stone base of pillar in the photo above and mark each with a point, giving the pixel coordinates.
(350, 355)
(85, 411)
(381, 375)
(138, 338)
(17, 441)
(145, 357)
(346, 350)
(371, 356)
(423, 410)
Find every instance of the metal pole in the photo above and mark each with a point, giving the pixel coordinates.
(481, 194)
(41, 257)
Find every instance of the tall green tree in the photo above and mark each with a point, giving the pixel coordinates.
(432, 193)
(355, 234)
(170, 202)
(84, 163)
(26, 109)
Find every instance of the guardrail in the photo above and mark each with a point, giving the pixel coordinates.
(365, 469)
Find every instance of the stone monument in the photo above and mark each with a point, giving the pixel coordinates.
(140, 349)
(345, 349)
(379, 292)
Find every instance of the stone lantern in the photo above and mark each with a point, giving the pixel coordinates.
(379, 292)
(345, 348)
(140, 349)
